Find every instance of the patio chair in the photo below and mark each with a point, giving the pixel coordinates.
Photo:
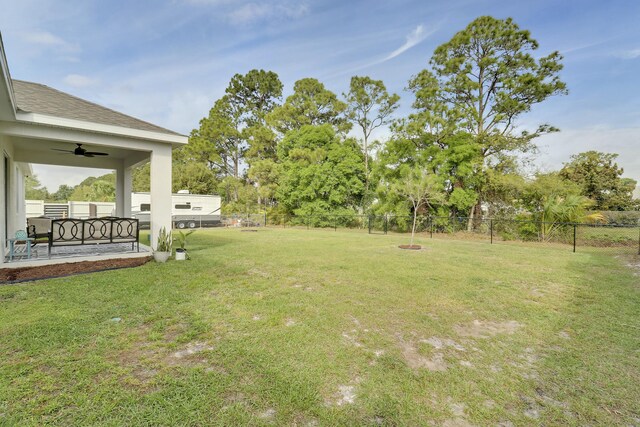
(20, 245)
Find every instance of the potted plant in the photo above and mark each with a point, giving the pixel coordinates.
(162, 251)
(181, 252)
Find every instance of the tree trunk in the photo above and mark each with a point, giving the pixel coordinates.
(475, 216)
(413, 228)
(366, 165)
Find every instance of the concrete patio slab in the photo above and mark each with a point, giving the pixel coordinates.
(65, 254)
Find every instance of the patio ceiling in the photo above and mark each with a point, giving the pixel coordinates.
(43, 151)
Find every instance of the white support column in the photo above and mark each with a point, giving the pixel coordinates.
(128, 187)
(120, 191)
(160, 191)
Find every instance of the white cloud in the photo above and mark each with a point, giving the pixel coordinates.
(629, 54)
(47, 39)
(414, 38)
(44, 38)
(79, 81)
(254, 12)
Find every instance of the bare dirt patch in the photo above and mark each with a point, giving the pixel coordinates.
(458, 411)
(635, 267)
(351, 339)
(139, 359)
(417, 361)
(27, 274)
(347, 395)
(268, 414)
(191, 349)
(457, 422)
(480, 329)
(440, 343)
(191, 356)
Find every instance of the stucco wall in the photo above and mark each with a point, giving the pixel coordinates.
(12, 203)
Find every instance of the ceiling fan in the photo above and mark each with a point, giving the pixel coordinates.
(79, 151)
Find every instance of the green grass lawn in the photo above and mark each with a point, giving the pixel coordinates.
(297, 327)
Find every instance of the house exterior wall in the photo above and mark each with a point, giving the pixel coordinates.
(12, 200)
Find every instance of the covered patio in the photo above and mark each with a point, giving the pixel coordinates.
(64, 254)
(41, 125)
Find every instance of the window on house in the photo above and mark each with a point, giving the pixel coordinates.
(183, 206)
(145, 207)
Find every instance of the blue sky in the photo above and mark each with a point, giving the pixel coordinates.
(167, 61)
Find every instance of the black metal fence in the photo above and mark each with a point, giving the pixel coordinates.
(571, 236)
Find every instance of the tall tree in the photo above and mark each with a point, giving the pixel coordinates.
(142, 178)
(369, 106)
(234, 126)
(62, 194)
(310, 104)
(96, 189)
(101, 189)
(267, 174)
(600, 179)
(34, 190)
(321, 172)
(482, 81)
(218, 141)
(254, 95)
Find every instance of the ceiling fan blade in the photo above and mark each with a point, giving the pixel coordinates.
(80, 151)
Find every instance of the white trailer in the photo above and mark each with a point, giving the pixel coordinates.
(187, 210)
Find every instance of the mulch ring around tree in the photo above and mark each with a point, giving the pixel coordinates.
(411, 247)
(27, 274)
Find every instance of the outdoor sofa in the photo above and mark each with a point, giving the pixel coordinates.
(94, 231)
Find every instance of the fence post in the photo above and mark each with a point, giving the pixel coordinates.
(491, 229)
(431, 227)
(575, 226)
(639, 240)
(308, 221)
(265, 218)
(335, 223)
(386, 223)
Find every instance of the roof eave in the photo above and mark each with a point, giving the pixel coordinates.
(175, 140)
(6, 86)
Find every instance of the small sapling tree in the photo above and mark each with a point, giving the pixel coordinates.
(420, 188)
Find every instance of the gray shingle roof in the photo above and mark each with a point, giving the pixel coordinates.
(41, 99)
